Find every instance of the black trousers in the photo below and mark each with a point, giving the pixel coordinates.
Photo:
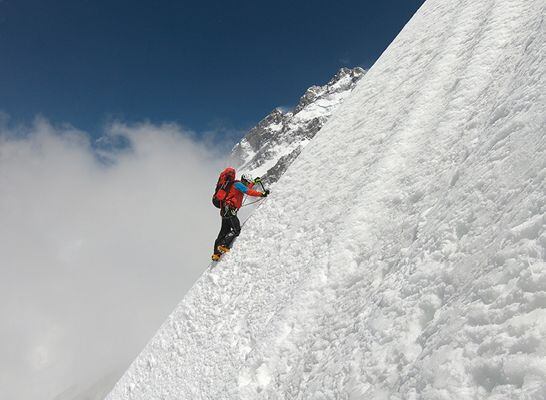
(231, 228)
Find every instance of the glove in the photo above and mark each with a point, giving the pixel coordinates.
(257, 180)
(265, 193)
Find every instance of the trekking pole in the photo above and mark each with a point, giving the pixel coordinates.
(254, 202)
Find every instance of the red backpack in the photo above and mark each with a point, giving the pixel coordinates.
(226, 179)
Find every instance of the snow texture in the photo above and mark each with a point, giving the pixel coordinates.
(402, 255)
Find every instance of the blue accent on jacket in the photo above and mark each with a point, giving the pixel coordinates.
(241, 187)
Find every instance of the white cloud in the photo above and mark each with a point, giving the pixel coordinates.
(94, 254)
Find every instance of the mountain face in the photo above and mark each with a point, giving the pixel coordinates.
(270, 147)
(417, 268)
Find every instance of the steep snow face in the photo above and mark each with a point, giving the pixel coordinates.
(417, 268)
(270, 147)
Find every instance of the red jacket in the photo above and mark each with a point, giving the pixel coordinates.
(236, 193)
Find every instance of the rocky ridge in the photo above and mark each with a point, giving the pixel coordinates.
(272, 145)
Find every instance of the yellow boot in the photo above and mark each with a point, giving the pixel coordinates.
(223, 249)
(216, 257)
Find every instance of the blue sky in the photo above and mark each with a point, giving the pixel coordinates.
(208, 65)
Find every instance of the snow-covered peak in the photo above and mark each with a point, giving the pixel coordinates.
(343, 80)
(270, 147)
(402, 254)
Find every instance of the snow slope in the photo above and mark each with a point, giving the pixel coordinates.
(402, 255)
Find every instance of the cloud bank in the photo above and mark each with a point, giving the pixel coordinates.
(97, 245)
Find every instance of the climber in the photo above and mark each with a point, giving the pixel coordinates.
(231, 227)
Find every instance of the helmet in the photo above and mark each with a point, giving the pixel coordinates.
(246, 178)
